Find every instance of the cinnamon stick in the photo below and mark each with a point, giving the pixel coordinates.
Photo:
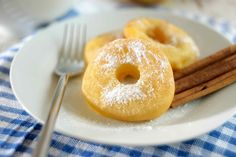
(206, 74)
(222, 54)
(204, 85)
(205, 89)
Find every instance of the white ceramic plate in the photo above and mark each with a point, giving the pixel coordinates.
(33, 82)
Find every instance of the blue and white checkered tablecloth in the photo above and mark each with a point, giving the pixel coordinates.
(18, 130)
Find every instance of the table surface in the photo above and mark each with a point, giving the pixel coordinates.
(214, 8)
(18, 130)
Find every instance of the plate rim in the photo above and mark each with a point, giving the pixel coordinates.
(226, 112)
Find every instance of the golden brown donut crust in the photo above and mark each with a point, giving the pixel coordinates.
(177, 45)
(99, 41)
(146, 98)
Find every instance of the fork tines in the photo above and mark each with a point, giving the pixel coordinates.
(73, 41)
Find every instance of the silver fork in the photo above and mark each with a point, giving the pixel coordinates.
(70, 63)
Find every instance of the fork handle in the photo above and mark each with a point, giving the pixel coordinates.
(42, 146)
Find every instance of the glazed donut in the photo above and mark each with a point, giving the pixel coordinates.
(129, 80)
(178, 46)
(94, 44)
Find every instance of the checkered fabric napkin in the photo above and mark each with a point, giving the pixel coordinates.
(18, 130)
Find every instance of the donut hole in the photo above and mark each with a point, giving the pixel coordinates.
(158, 35)
(127, 74)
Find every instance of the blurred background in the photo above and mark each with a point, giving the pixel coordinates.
(19, 18)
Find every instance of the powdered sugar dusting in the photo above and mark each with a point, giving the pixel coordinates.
(188, 40)
(164, 63)
(122, 94)
(118, 47)
(127, 59)
(110, 61)
(134, 52)
(140, 23)
(175, 40)
(139, 49)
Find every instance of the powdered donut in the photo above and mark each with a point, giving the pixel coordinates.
(129, 80)
(177, 45)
